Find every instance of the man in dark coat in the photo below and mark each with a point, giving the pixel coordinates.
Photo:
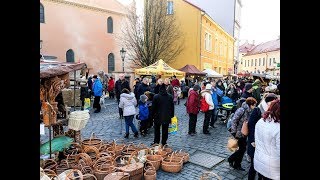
(143, 87)
(121, 84)
(162, 112)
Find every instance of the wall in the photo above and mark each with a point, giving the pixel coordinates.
(273, 69)
(188, 17)
(220, 57)
(84, 31)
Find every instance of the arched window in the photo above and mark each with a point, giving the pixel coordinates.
(41, 13)
(70, 55)
(110, 63)
(110, 25)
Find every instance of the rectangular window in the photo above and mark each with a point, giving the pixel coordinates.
(259, 61)
(255, 62)
(170, 7)
(263, 62)
(270, 62)
(220, 70)
(208, 42)
(274, 60)
(216, 47)
(251, 62)
(205, 41)
(245, 63)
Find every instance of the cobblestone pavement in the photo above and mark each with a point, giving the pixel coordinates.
(107, 125)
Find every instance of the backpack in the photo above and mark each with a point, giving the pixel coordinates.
(231, 119)
(204, 106)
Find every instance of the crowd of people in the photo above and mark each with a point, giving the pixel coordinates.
(256, 107)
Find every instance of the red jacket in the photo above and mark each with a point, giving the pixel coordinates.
(193, 103)
(111, 85)
(175, 82)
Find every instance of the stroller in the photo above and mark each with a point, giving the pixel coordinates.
(225, 108)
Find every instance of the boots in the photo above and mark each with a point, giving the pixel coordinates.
(126, 135)
(136, 134)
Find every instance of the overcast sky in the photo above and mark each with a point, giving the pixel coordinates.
(260, 19)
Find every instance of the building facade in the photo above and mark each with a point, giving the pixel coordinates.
(83, 31)
(207, 45)
(263, 58)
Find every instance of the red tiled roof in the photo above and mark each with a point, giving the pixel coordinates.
(193, 5)
(244, 48)
(269, 46)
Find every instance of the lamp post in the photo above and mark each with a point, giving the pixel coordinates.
(123, 54)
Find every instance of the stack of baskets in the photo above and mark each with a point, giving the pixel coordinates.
(78, 119)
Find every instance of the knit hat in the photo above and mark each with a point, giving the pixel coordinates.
(143, 98)
(196, 87)
(270, 97)
(248, 86)
(95, 76)
(208, 86)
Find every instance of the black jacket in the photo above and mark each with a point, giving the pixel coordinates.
(162, 108)
(120, 85)
(254, 118)
(142, 88)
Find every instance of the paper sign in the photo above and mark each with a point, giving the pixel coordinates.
(42, 129)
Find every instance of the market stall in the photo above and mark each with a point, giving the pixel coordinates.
(54, 77)
(160, 68)
(192, 73)
(212, 73)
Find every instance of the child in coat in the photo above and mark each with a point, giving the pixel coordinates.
(143, 114)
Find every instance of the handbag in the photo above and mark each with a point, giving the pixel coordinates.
(232, 144)
(245, 128)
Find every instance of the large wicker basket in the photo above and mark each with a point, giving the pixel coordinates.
(78, 120)
(92, 151)
(183, 155)
(103, 170)
(92, 141)
(172, 164)
(135, 170)
(150, 174)
(117, 176)
(155, 160)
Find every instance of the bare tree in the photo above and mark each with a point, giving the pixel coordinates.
(153, 36)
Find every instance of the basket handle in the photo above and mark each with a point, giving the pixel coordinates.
(89, 175)
(75, 170)
(148, 163)
(92, 134)
(130, 158)
(165, 146)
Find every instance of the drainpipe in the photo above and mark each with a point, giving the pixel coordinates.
(202, 14)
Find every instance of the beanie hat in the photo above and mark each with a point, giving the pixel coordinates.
(143, 98)
(196, 87)
(270, 97)
(208, 86)
(248, 86)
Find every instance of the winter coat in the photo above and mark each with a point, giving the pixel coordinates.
(90, 83)
(267, 152)
(162, 108)
(207, 95)
(143, 111)
(120, 85)
(142, 88)
(156, 89)
(256, 93)
(183, 87)
(242, 114)
(254, 117)
(97, 88)
(111, 85)
(128, 103)
(175, 82)
(193, 102)
(215, 94)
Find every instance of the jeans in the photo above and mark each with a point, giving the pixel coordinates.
(206, 121)
(237, 156)
(129, 122)
(214, 116)
(96, 103)
(165, 128)
(192, 123)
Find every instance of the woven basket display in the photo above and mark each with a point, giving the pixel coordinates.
(135, 170)
(117, 176)
(155, 160)
(172, 164)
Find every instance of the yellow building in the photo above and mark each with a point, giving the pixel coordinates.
(263, 58)
(207, 45)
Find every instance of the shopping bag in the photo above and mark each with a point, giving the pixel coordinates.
(232, 144)
(86, 103)
(173, 127)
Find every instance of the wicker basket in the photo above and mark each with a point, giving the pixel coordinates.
(117, 176)
(104, 160)
(155, 160)
(78, 120)
(148, 166)
(49, 173)
(162, 153)
(183, 155)
(64, 165)
(209, 175)
(50, 164)
(106, 154)
(103, 170)
(135, 170)
(150, 174)
(172, 164)
(92, 141)
(92, 151)
(167, 149)
(85, 157)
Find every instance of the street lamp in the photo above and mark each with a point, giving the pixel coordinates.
(123, 54)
